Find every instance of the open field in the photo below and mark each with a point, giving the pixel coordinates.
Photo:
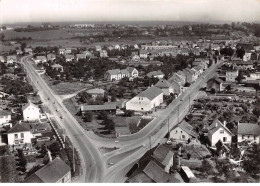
(65, 87)
(40, 35)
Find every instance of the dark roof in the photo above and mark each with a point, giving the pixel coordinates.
(186, 127)
(51, 173)
(18, 128)
(162, 154)
(163, 83)
(248, 128)
(150, 93)
(156, 173)
(155, 73)
(216, 124)
(98, 107)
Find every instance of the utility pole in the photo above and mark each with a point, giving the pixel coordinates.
(150, 142)
(168, 126)
(189, 102)
(178, 113)
(73, 156)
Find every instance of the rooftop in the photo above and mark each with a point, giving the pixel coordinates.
(163, 83)
(18, 128)
(98, 107)
(50, 173)
(248, 129)
(150, 93)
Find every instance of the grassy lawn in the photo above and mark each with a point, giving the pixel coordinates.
(65, 87)
(134, 128)
(8, 171)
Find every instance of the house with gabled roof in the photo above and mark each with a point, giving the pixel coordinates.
(5, 117)
(40, 59)
(190, 75)
(117, 74)
(103, 53)
(51, 57)
(215, 83)
(218, 131)
(248, 132)
(18, 135)
(28, 50)
(56, 171)
(2, 59)
(57, 67)
(156, 74)
(183, 131)
(62, 51)
(31, 112)
(69, 57)
(11, 59)
(146, 101)
(80, 56)
(153, 167)
(19, 52)
(165, 86)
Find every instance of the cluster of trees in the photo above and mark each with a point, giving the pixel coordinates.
(30, 28)
(227, 51)
(85, 97)
(16, 87)
(256, 110)
(109, 125)
(22, 160)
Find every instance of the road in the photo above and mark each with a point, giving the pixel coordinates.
(132, 147)
(149, 137)
(93, 166)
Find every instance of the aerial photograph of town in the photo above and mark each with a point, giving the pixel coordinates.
(130, 91)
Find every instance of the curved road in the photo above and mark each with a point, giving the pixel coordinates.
(132, 147)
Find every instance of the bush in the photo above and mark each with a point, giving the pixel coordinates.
(56, 82)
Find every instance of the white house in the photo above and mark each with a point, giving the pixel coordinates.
(165, 86)
(51, 57)
(5, 117)
(103, 53)
(39, 59)
(62, 51)
(218, 131)
(117, 47)
(156, 74)
(183, 131)
(231, 75)
(146, 101)
(248, 132)
(135, 57)
(11, 59)
(80, 56)
(18, 135)
(2, 59)
(69, 58)
(143, 54)
(117, 74)
(31, 112)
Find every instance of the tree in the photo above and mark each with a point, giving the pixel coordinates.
(252, 159)
(240, 77)
(129, 113)
(88, 116)
(23, 46)
(240, 52)
(227, 51)
(206, 167)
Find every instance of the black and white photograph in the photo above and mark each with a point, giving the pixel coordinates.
(130, 91)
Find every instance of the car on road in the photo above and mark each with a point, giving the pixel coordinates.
(57, 110)
(110, 163)
(116, 141)
(48, 98)
(61, 117)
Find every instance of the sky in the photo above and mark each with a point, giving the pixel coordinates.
(12, 11)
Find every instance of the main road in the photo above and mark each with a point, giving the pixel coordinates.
(95, 165)
(92, 163)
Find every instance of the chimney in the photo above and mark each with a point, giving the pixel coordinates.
(49, 154)
(216, 124)
(224, 123)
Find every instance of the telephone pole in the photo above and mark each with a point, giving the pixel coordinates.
(168, 126)
(178, 113)
(150, 142)
(73, 156)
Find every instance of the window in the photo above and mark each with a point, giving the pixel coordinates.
(221, 131)
(181, 131)
(15, 136)
(21, 141)
(243, 136)
(182, 136)
(22, 135)
(224, 139)
(176, 131)
(142, 108)
(248, 137)
(254, 137)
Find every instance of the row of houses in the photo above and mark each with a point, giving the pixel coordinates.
(9, 59)
(217, 131)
